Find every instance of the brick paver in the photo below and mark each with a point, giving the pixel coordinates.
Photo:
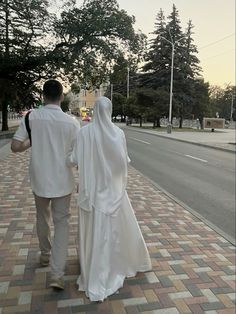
(193, 267)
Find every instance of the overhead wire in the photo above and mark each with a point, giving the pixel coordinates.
(217, 41)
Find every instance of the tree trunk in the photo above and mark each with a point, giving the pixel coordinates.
(6, 54)
(181, 122)
(201, 123)
(4, 115)
(140, 121)
(158, 124)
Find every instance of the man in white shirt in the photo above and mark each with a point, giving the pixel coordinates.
(53, 133)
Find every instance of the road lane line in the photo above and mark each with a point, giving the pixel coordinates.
(203, 160)
(135, 139)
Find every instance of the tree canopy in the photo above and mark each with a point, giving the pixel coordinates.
(81, 44)
(156, 71)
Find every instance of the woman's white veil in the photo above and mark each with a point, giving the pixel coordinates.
(102, 161)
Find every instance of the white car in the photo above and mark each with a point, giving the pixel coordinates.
(71, 115)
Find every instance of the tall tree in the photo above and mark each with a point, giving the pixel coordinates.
(178, 38)
(82, 44)
(222, 101)
(158, 57)
(94, 37)
(23, 25)
(158, 63)
(201, 101)
(190, 71)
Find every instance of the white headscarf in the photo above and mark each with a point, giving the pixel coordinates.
(101, 155)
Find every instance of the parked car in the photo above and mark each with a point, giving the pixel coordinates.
(71, 115)
(86, 118)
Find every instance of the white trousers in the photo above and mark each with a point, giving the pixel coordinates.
(60, 212)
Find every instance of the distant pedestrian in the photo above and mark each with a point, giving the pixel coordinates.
(111, 243)
(52, 134)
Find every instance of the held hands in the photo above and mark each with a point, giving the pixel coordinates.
(18, 146)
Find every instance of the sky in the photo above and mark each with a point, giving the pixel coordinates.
(214, 31)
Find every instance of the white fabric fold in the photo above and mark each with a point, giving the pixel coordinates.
(111, 243)
(100, 152)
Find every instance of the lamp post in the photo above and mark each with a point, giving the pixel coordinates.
(232, 108)
(169, 125)
(127, 82)
(111, 92)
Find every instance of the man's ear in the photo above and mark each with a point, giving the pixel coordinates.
(62, 97)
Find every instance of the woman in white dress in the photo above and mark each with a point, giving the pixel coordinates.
(111, 243)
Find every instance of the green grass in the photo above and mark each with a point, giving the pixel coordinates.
(163, 129)
(10, 130)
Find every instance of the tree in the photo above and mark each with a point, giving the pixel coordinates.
(82, 44)
(75, 88)
(228, 102)
(152, 103)
(190, 72)
(65, 103)
(118, 102)
(157, 70)
(142, 102)
(94, 37)
(221, 100)
(201, 100)
(23, 25)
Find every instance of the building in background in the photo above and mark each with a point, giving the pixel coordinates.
(85, 98)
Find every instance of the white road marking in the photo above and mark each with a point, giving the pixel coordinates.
(203, 160)
(135, 139)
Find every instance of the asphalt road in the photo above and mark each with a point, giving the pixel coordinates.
(202, 178)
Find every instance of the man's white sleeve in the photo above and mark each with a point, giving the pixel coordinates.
(21, 133)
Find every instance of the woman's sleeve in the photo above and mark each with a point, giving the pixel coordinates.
(72, 156)
(125, 147)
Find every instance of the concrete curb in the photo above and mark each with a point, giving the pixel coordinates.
(7, 135)
(183, 141)
(189, 209)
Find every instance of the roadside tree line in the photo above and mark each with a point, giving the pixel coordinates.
(93, 43)
(193, 98)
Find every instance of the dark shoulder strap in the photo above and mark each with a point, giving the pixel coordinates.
(27, 126)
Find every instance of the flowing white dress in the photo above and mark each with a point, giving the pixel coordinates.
(111, 248)
(111, 243)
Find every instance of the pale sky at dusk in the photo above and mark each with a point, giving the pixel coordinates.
(214, 30)
(213, 21)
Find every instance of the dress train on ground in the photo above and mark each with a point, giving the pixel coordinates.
(111, 249)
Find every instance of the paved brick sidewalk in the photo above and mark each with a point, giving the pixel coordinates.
(193, 267)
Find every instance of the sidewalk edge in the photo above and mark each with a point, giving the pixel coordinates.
(189, 209)
(6, 135)
(184, 141)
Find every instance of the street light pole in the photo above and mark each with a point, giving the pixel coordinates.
(169, 126)
(232, 108)
(127, 82)
(111, 92)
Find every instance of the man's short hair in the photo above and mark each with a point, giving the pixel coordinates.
(52, 90)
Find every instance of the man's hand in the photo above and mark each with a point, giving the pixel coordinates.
(18, 146)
